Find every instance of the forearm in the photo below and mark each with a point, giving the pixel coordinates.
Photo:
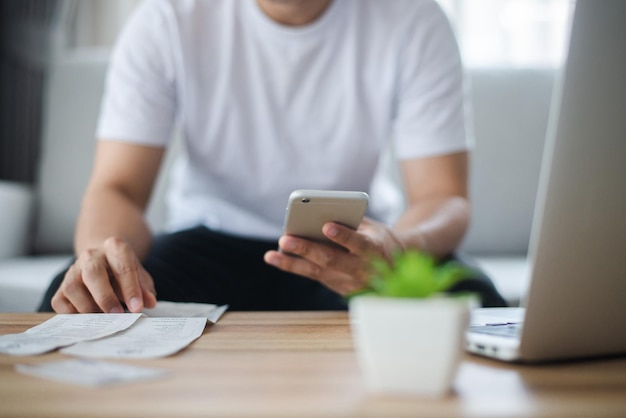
(436, 225)
(107, 212)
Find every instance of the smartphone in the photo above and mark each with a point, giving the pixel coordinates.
(309, 210)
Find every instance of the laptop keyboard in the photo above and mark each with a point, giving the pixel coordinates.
(510, 329)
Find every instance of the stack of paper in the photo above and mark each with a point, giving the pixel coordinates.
(157, 332)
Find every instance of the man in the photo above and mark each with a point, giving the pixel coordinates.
(271, 96)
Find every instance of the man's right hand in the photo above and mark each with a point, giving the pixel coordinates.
(103, 279)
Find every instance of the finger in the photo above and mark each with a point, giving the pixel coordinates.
(149, 299)
(292, 264)
(339, 282)
(97, 281)
(75, 291)
(60, 304)
(325, 256)
(115, 285)
(346, 237)
(148, 290)
(125, 268)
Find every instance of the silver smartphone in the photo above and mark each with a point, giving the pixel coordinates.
(309, 210)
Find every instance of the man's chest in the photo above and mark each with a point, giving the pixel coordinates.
(296, 92)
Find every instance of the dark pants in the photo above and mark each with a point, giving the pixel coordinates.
(200, 265)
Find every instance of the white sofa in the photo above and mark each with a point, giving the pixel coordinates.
(510, 110)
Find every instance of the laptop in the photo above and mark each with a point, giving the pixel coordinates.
(576, 303)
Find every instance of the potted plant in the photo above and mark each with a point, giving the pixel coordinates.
(407, 330)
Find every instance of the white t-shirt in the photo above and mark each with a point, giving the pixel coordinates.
(265, 109)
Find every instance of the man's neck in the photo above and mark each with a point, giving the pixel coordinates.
(294, 12)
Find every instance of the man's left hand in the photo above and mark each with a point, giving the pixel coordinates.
(343, 268)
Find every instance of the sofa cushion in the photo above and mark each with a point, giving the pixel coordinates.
(16, 204)
(24, 281)
(510, 114)
(73, 94)
(510, 275)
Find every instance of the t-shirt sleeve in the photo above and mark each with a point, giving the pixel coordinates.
(139, 101)
(430, 117)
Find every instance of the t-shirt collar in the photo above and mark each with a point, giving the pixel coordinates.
(270, 26)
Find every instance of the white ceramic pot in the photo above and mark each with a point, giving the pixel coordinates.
(409, 346)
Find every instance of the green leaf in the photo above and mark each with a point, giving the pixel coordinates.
(412, 274)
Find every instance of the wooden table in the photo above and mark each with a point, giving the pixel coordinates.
(302, 364)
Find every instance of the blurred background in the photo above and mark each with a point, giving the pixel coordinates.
(491, 33)
(53, 60)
